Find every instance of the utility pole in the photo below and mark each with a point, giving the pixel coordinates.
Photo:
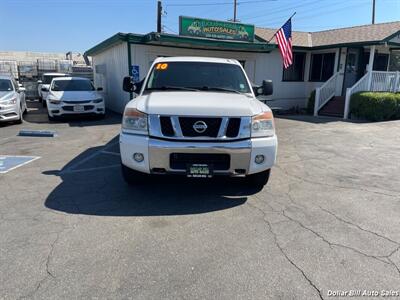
(234, 10)
(373, 11)
(159, 14)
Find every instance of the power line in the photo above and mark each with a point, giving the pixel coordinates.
(300, 14)
(313, 15)
(275, 11)
(217, 3)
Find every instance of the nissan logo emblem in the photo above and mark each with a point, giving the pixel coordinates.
(200, 126)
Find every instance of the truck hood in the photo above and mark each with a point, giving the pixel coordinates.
(198, 104)
(6, 95)
(75, 96)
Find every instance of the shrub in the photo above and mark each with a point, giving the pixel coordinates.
(375, 106)
(311, 103)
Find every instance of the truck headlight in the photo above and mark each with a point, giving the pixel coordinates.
(135, 120)
(262, 125)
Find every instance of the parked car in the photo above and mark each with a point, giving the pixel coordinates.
(198, 117)
(44, 84)
(12, 100)
(74, 95)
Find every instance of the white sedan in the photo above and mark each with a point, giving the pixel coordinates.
(74, 95)
(12, 100)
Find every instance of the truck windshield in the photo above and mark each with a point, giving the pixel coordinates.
(72, 85)
(197, 76)
(5, 85)
(48, 78)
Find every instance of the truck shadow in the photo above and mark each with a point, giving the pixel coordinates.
(92, 184)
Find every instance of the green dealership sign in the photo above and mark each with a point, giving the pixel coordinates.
(216, 29)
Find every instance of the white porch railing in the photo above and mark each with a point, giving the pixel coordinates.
(324, 93)
(384, 81)
(376, 81)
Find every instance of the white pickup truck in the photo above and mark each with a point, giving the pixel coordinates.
(197, 117)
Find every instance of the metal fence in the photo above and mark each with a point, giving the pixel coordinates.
(29, 72)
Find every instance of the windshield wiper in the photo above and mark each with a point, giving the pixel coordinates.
(170, 87)
(212, 88)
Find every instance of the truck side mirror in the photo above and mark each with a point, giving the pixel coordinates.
(127, 84)
(267, 88)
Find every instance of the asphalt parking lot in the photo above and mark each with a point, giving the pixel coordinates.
(328, 220)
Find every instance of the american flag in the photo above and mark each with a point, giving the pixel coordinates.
(284, 40)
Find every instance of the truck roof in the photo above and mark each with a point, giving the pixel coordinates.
(54, 74)
(197, 59)
(71, 78)
(6, 77)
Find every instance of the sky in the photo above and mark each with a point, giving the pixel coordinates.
(77, 25)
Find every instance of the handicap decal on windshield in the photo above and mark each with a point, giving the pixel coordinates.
(9, 162)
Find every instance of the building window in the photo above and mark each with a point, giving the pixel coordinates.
(394, 60)
(296, 71)
(381, 62)
(322, 66)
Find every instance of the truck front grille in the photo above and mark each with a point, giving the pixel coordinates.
(197, 127)
(166, 126)
(188, 123)
(179, 161)
(233, 127)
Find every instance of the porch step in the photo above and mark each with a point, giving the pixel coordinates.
(333, 108)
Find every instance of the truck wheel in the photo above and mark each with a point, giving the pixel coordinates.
(258, 180)
(133, 177)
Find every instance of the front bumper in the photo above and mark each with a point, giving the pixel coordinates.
(9, 113)
(69, 109)
(157, 154)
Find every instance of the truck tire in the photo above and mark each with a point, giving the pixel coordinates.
(258, 180)
(133, 177)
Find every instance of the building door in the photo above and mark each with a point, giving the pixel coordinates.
(351, 74)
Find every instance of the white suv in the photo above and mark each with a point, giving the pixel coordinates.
(198, 117)
(12, 100)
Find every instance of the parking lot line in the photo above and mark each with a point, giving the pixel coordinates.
(111, 153)
(93, 155)
(33, 158)
(88, 169)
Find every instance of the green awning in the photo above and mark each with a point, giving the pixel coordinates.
(171, 40)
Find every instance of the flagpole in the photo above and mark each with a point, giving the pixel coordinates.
(280, 28)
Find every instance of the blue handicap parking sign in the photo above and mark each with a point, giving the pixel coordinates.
(8, 163)
(135, 73)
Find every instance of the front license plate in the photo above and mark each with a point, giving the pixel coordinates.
(79, 108)
(199, 170)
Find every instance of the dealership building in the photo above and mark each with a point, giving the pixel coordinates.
(331, 61)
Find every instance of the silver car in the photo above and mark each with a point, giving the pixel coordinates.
(12, 100)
